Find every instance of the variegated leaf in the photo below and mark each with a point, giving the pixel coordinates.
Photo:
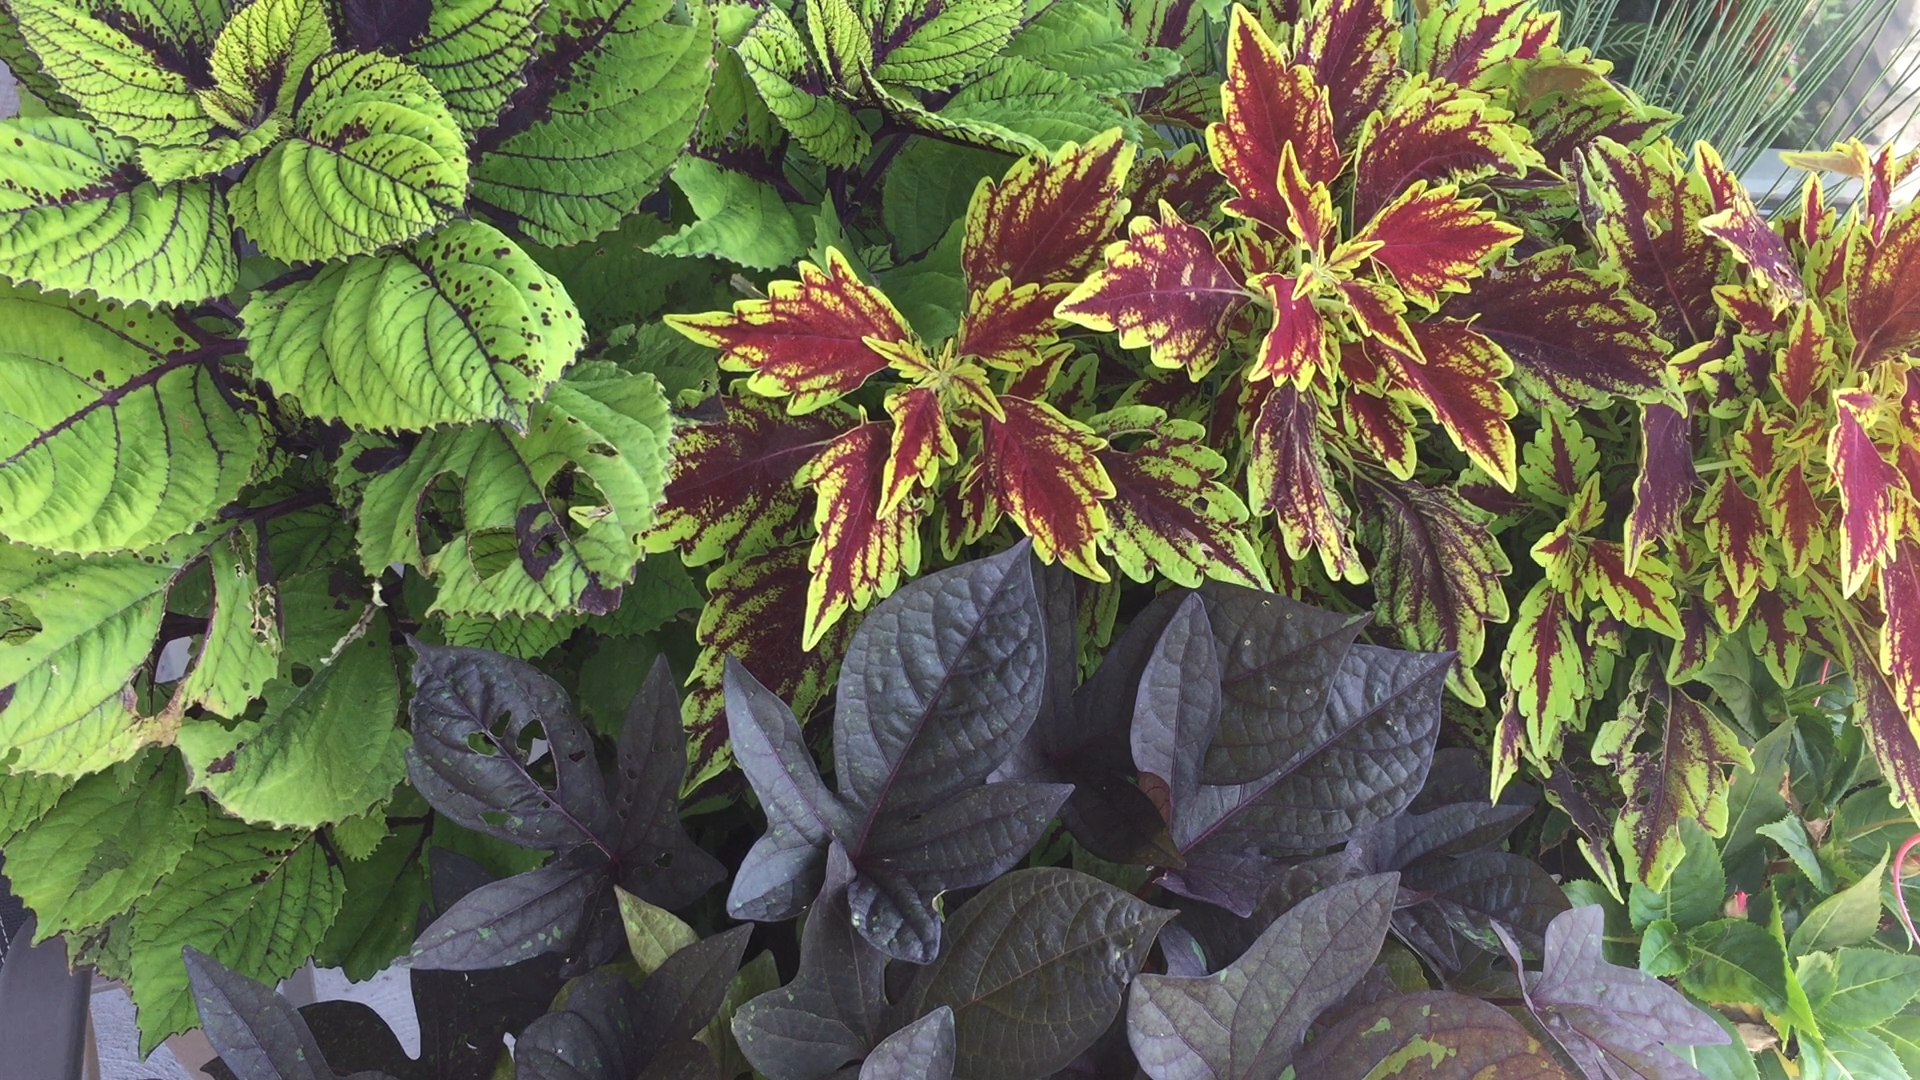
(1287, 476)
(1798, 519)
(1736, 222)
(1047, 220)
(1643, 210)
(921, 442)
(1543, 667)
(1434, 242)
(807, 341)
(1351, 46)
(1267, 103)
(1883, 289)
(1434, 131)
(1876, 507)
(1171, 516)
(862, 551)
(1665, 482)
(1643, 596)
(1736, 531)
(1165, 290)
(1900, 632)
(1010, 326)
(1295, 348)
(1044, 470)
(1458, 378)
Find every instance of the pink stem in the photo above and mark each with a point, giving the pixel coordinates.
(1899, 887)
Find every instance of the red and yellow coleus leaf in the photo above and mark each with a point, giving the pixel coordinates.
(1666, 479)
(1310, 214)
(1545, 671)
(1559, 459)
(1459, 376)
(755, 612)
(1044, 471)
(1352, 48)
(1643, 210)
(1736, 531)
(1888, 728)
(1434, 242)
(920, 444)
(1754, 445)
(1170, 515)
(1751, 308)
(1575, 337)
(1439, 570)
(1876, 508)
(1287, 476)
(1048, 218)
(1776, 630)
(1266, 104)
(1379, 313)
(1010, 326)
(1900, 631)
(1736, 222)
(730, 487)
(861, 552)
(1373, 415)
(1163, 289)
(1294, 349)
(1806, 364)
(1883, 290)
(1434, 131)
(1464, 42)
(1673, 756)
(808, 341)
(1643, 596)
(1798, 519)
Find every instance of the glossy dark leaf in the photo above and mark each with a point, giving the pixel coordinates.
(1474, 891)
(660, 863)
(355, 1038)
(1433, 1035)
(1359, 763)
(1222, 935)
(682, 994)
(592, 1038)
(1035, 970)
(1614, 1022)
(1278, 660)
(505, 922)
(1175, 715)
(475, 716)
(923, 1050)
(1246, 1021)
(259, 1035)
(687, 1060)
(835, 1009)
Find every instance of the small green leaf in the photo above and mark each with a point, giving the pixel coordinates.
(739, 219)
(373, 158)
(1849, 917)
(653, 933)
(1850, 1055)
(1663, 950)
(264, 52)
(459, 326)
(1695, 892)
(1735, 960)
(1791, 834)
(1858, 988)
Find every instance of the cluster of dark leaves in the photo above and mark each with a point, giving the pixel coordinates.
(1334, 900)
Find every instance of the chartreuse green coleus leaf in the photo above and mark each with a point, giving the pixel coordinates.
(120, 82)
(612, 95)
(261, 56)
(113, 432)
(373, 158)
(457, 327)
(529, 545)
(76, 214)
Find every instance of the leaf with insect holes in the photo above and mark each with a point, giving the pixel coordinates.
(1576, 338)
(1165, 290)
(530, 544)
(730, 490)
(1048, 218)
(807, 340)
(1287, 476)
(1044, 470)
(1266, 104)
(1247, 1020)
(863, 549)
(463, 318)
(1170, 514)
(663, 865)
(916, 735)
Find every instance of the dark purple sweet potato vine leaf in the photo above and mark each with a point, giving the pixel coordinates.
(1432, 1035)
(1247, 1020)
(259, 1034)
(1614, 1022)
(923, 1050)
(939, 685)
(476, 716)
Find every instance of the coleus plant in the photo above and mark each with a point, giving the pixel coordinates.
(1355, 176)
(1031, 972)
(1771, 509)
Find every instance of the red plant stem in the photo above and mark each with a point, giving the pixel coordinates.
(1899, 887)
